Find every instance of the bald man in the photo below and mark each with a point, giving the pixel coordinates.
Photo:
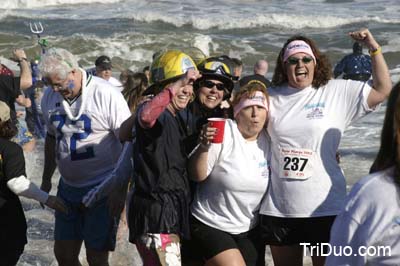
(260, 70)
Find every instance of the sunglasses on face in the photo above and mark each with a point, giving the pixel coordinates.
(209, 84)
(295, 60)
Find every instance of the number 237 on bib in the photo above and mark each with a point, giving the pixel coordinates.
(295, 163)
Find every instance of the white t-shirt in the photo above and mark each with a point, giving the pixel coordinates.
(370, 219)
(86, 130)
(305, 127)
(238, 176)
(116, 83)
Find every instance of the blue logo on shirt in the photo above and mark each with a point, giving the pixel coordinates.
(314, 105)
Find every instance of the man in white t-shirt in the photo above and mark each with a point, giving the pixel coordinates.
(83, 114)
(103, 70)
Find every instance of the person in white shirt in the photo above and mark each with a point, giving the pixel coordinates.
(308, 115)
(369, 223)
(103, 70)
(233, 177)
(83, 115)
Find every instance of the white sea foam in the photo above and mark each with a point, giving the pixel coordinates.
(224, 15)
(22, 4)
(204, 43)
(237, 20)
(395, 74)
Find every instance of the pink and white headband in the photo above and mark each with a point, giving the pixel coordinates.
(296, 47)
(258, 99)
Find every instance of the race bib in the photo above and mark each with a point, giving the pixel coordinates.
(296, 163)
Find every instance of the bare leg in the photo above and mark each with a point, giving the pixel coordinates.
(318, 260)
(97, 258)
(67, 252)
(230, 257)
(287, 255)
(29, 146)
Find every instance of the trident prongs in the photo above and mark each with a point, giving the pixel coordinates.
(36, 27)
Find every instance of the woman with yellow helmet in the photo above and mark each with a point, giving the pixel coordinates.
(214, 86)
(159, 207)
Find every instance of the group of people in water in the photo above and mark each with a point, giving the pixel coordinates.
(147, 150)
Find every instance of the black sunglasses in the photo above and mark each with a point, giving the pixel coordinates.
(209, 84)
(295, 60)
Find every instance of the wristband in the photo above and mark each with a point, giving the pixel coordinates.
(375, 51)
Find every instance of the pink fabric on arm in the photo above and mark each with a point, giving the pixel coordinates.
(152, 109)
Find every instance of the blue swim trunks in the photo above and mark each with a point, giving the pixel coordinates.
(92, 225)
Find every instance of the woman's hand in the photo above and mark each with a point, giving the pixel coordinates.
(188, 79)
(365, 37)
(382, 84)
(207, 134)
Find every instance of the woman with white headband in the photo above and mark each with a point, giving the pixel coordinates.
(233, 177)
(308, 115)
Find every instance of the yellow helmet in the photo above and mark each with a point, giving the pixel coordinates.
(170, 65)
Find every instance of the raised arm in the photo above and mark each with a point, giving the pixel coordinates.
(382, 83)
(152, 109)
(25, 70)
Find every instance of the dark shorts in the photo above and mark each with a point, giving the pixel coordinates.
(280, 231)
(93, 225)
(206, 242)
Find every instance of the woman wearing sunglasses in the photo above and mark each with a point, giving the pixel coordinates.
(308, 115)
(214, 86)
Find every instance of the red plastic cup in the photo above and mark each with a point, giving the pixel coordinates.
(219, 124)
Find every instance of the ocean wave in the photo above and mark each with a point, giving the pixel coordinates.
(31, 4)
(275, 20)
(202, 21)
